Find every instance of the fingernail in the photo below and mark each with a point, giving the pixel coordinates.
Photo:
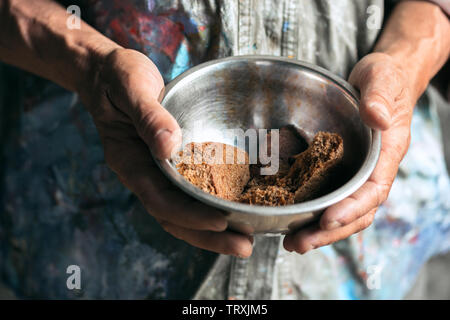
(241, 256)
(309, 249)
(333, 225)
(165, 136)
(382, 111)
(288, 247)
(220, 225)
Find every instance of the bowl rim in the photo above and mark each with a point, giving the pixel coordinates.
(309, 206)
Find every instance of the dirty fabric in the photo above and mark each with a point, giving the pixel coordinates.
(62, 206)
(179, 34)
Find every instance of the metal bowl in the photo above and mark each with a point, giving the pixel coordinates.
(270, 92)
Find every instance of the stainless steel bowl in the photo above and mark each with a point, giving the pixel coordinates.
(270, 92)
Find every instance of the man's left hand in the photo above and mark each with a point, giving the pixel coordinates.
(386, 104)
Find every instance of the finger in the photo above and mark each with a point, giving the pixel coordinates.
(369, 196)
(158, 129)
(136, 94)
(376, 190)
(379, 86)
(131, 160)
(313, 237)
(376, 105)
(179, 209)
(226, 242)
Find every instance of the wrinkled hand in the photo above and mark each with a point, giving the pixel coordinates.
(123, 100)
(386, 104)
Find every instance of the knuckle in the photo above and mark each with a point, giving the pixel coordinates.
(152, 205)
(404, 136)
(166, 227)
(403, 95)
(141, 194)
(366, 221)
(163, 224)
(178, 234)
(400, 147)
(406, 142)
(232, 247)
(380, 95)
(382, 192)
(105, 111)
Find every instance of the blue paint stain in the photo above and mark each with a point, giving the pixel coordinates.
(347, 290)
(182, 62)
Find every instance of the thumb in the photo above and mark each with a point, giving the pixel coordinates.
(377, 85)
(159, 130)
(135, 87)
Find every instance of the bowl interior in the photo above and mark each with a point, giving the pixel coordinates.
(268, 94)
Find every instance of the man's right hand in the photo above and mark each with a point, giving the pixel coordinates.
(123, 100)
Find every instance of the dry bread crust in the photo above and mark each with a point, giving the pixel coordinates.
(312, 168)
(304, 179)
(307, 175)
(216, 169)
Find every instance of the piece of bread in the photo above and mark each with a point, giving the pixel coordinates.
(219, 169)
(224, 171)
(312, 168)
(307, 177)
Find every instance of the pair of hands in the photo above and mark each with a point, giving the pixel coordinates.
(124, 104)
